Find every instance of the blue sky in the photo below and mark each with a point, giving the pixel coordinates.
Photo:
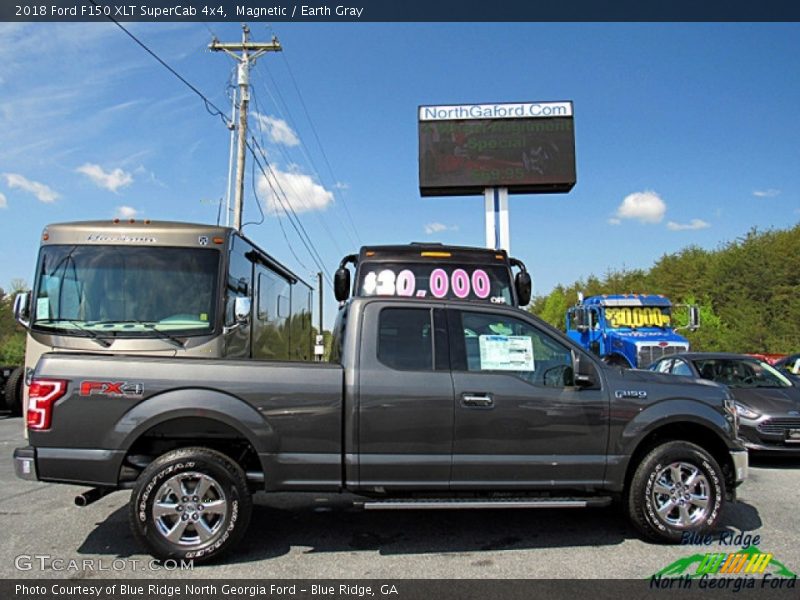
(685, 134)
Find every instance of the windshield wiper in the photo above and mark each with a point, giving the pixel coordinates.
(92, 334)
(150, 326)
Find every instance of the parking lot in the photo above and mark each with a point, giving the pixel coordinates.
(311, 536)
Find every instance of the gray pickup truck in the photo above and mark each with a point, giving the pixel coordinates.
(424, 405)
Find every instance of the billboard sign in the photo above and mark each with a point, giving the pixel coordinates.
(528, 147)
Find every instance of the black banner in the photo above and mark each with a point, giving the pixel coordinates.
(398, 589)
(396, 11)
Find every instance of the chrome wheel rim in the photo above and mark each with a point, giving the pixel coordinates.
(681, 495)
(190, 509)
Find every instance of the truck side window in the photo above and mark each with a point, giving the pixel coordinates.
(503, 344)
(405, 339)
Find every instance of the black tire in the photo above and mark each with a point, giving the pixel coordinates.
(681, 509)
(202, 538)
(13, 392)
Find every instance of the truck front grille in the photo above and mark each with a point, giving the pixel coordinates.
(648, 354)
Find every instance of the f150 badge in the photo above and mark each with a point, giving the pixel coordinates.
(116, 389)
(637, 394)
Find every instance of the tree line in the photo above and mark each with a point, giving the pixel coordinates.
(748, 291)
(12, 335)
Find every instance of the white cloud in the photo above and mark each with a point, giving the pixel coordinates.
(278, 130)
(126, 212)
(41, 191)
(340, 185)
(768, 193)
(302, 192)
(614, 221)
(109, 180)
(3, 201)
(645, 207)
(432, 228)
(693, 224)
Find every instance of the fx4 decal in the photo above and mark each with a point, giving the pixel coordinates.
(116, 389)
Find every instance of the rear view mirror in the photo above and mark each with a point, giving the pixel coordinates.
(341, 284)
(22, 311)
(523, 285)
(241, 309)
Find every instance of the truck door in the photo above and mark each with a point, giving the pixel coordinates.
(405, 411)
(519, 420)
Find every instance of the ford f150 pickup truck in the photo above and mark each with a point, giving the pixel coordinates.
(425, 404)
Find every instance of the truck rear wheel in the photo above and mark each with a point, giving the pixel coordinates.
(190, 503)
(13, 392)
(678, 487)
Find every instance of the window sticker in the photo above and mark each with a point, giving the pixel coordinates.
(506, 353)
(43, 308)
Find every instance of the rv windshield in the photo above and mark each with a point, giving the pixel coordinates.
(125, 291)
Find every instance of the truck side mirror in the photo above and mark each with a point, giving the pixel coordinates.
(22, 311)
(241, 309)
(341, 284)
(585, 374)
(523, 285)
(580, 319)
(694, 317)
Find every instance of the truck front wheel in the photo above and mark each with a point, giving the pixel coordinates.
(678, 487)
(190, 503)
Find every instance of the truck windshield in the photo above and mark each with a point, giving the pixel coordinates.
(125, 291)
(488, 283)
(638, 316)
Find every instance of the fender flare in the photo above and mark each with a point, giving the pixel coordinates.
(198, 403)
(669, 412)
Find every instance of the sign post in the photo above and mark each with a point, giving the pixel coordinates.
(496, 218)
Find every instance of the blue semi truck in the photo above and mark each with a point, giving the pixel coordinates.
(628, 330)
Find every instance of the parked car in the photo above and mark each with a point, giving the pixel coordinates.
(767, 401)
(767, 358)
(789, 364)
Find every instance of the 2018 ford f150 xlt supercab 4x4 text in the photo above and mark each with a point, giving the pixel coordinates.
(425, 404)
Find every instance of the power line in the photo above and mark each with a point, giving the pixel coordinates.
(296, 223)
(287, 116)
(208, 103)
(319, 143)
(280, 222)
(288, 160)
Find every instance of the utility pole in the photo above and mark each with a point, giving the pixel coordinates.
(250, 51)
(319, 346)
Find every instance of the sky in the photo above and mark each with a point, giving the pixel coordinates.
(685, 134)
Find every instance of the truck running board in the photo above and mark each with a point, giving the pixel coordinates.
(423, 504)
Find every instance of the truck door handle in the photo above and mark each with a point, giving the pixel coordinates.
(480, 400)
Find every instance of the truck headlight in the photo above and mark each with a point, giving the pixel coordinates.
(746, 412)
